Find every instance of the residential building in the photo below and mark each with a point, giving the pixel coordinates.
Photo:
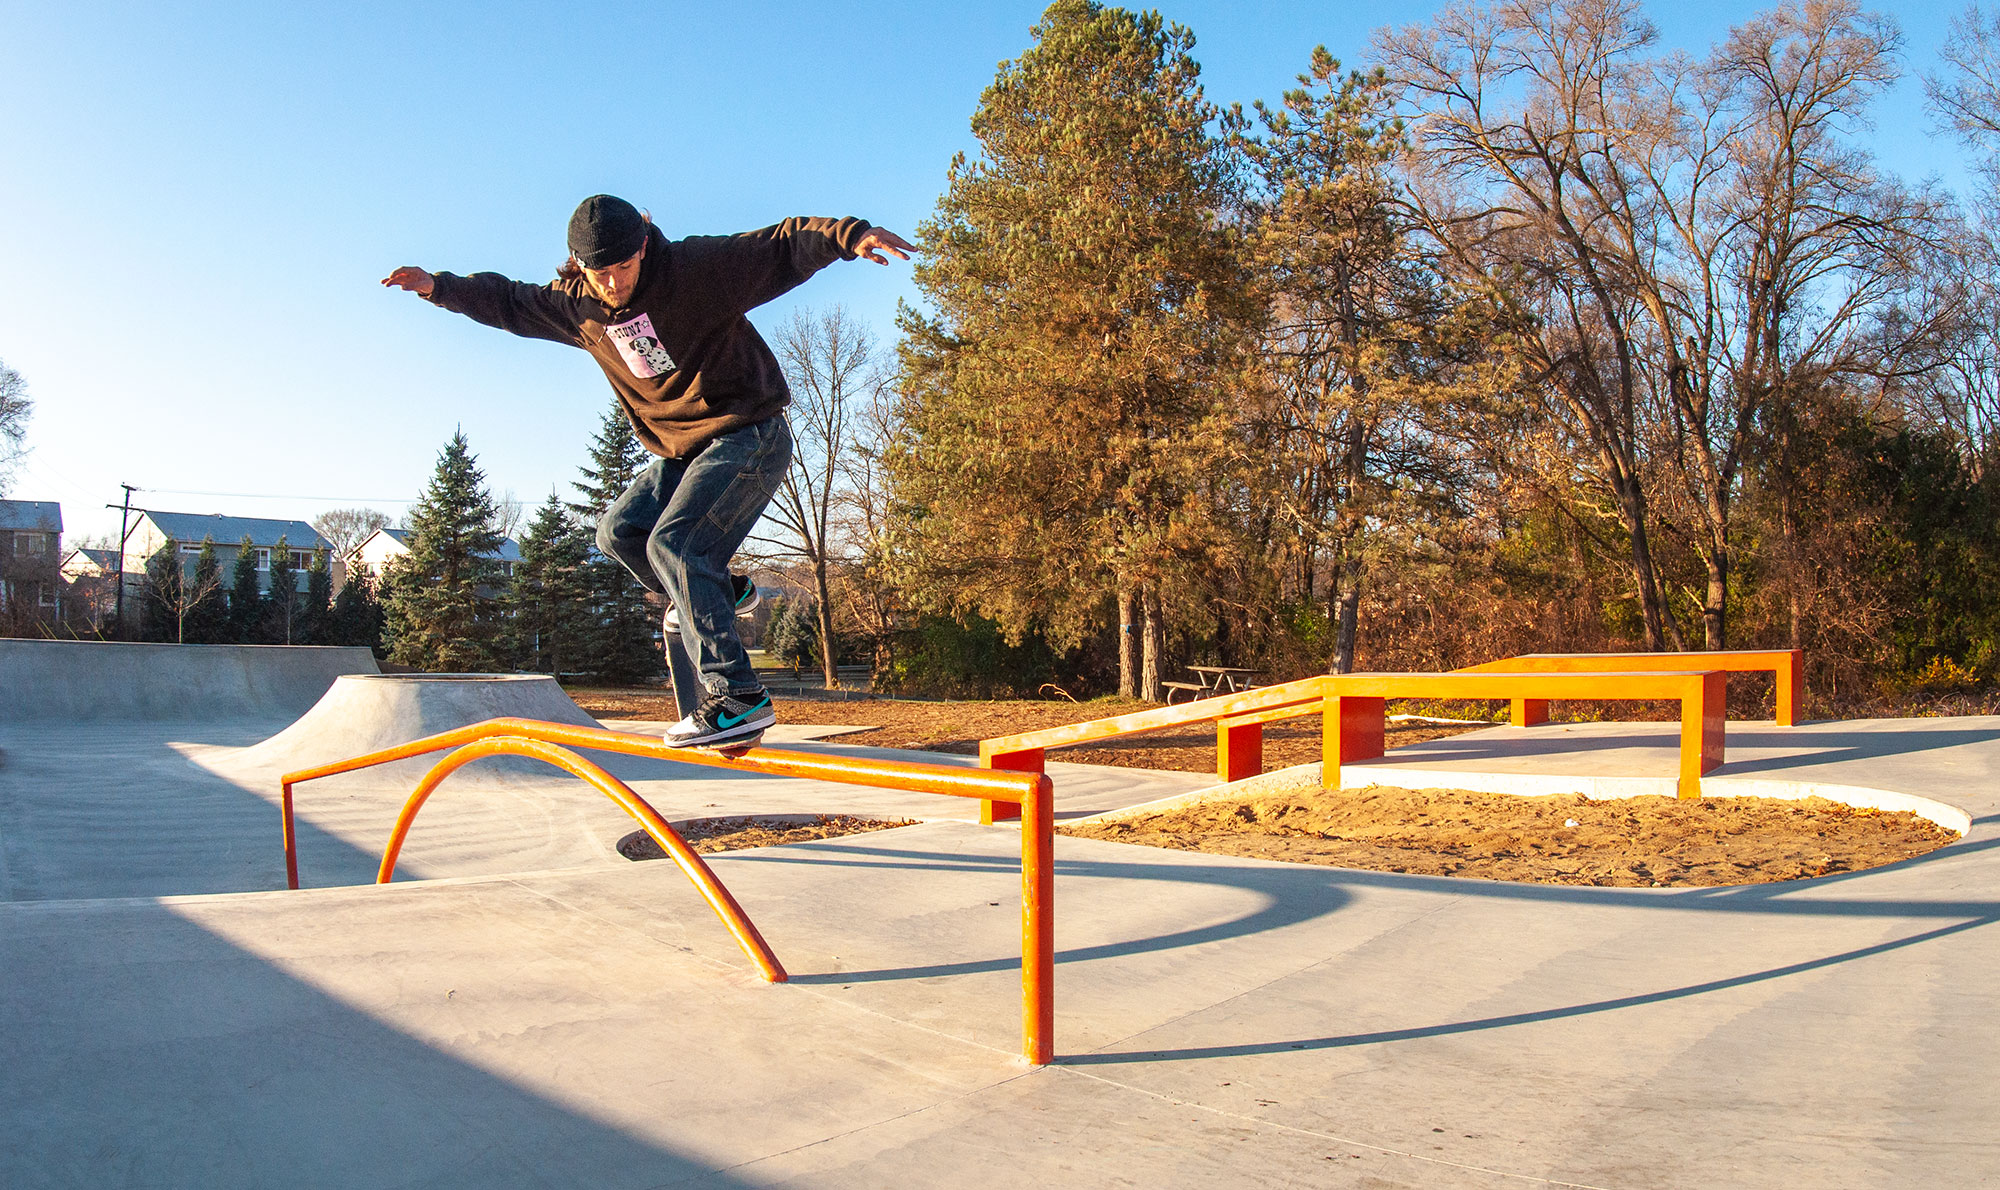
(90, 587)
(189, 529)
(365, 561)
(30, 562)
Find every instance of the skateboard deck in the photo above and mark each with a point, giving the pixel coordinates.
(732, 748)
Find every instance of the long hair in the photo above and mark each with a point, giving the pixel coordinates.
(570, 270)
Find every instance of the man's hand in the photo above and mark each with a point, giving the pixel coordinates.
(881, 239)
(419, 282)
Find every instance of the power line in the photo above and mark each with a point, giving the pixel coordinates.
(281, 496)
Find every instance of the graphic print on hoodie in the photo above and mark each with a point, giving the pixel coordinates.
(640, 347)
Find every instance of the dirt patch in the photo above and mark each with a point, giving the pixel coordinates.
(957, 727)
(705, 835)
(1629, 842)
(1646, 842)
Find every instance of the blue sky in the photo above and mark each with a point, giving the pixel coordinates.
(196, 202)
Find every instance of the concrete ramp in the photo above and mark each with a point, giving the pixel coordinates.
(73, 680)
(364, 713)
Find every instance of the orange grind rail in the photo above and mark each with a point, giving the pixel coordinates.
(1353, 711)
(1786, 666)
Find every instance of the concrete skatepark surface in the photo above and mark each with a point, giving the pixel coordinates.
(544, 1013)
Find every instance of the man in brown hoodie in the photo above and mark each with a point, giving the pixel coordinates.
(665, 321)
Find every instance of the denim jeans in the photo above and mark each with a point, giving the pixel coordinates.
(679, 524)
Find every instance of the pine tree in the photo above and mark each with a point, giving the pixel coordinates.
(164, 591)
(281, 600)
(548, 608)
(436, 617)
(621, 646)
(246, 604)
(316, 612)
(1069, 420)
(357, 617)
(208, 616)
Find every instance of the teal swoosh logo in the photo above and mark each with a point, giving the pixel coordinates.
(728, 721)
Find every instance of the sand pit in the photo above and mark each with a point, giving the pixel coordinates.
(1643, 842)
(1629, 842)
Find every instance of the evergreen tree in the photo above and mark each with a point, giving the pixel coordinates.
(208, 613)
(246, 604)
(549, 618)
(792, 636)
(357, 617)
(316, 612)
(281, 600)
(436, 616)
(164, 590)
(1069, 412)
(621, 645)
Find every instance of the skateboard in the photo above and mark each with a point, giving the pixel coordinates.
(731, 749)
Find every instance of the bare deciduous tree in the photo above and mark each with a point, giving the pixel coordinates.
(15, 406)
(1967, 93)
(826, 357)
(345, 528)
(1699, 243)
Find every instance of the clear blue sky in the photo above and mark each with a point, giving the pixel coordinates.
(196, 202)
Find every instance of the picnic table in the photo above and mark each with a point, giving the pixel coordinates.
(1211, 680)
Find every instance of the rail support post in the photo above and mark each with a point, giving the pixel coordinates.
(1029, 761)
(1791, 688)
(1350, 730)
(1239, 750)
(1530, 711)
(1704, 721)
(1038, 925)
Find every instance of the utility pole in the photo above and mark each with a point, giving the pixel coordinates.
(124, 534)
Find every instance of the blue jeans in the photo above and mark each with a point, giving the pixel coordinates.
(681, 521)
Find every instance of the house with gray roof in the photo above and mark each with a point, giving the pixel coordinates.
(189, 529)
(383, 545)
(89, 586)
(30, 559)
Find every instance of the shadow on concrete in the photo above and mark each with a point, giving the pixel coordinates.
(1285, 903)
(110, 812)
(162, 1055)
(1521, 1018)
(1834, 748)
(1295, 893)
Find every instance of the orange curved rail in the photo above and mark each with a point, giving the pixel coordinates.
(1033, 792)
(718, 897)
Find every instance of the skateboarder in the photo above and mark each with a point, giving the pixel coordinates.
(665, 321)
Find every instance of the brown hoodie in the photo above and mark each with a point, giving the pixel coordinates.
(685, 362)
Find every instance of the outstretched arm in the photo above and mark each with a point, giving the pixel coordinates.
(532, 311)
(745, 271)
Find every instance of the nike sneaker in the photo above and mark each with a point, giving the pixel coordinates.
(722, 719)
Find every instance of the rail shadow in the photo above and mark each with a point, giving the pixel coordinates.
(1508, 1020)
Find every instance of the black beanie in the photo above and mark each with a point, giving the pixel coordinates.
(604, 231)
